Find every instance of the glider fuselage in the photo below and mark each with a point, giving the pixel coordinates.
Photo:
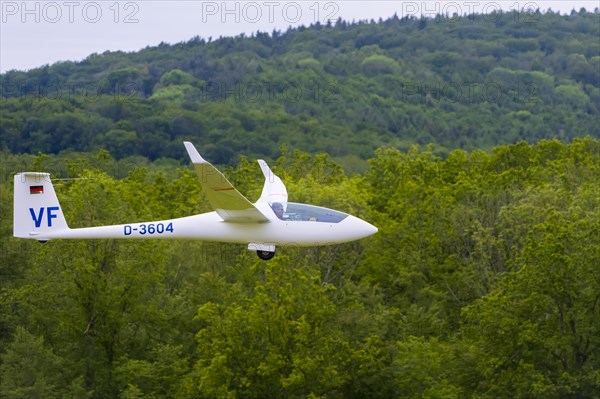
(210, 227)
(269, 222)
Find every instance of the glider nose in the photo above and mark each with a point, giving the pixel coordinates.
(360, 228)
(369, 228)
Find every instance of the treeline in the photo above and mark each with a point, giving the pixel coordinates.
(482, 282)
(347, 88)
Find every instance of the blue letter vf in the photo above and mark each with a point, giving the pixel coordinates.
(37, 218)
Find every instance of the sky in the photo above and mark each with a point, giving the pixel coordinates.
(36, 33)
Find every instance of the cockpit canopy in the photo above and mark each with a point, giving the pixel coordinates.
(294, 212)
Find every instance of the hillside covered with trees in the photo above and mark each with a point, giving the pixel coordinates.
(346, 89)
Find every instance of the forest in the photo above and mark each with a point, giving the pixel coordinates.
(346, 89)
(481, 283)
(471, 143)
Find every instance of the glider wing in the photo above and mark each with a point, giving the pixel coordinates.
(274, 190)
(228, 202)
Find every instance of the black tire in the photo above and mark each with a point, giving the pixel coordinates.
(265, 255)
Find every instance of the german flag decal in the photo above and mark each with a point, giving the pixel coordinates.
(36, 189)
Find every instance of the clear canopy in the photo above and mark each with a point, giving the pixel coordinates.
(291, 211)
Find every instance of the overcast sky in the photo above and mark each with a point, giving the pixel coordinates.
(35, 33)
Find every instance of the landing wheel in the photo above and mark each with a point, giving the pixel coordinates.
(265, 255)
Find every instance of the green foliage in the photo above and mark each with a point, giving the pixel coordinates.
(378, 64)
(345, 89)
(280, 341)
(28, 368)
(482, 282)
(539, 329)
(177, 77)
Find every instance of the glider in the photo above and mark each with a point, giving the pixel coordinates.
(270, 222)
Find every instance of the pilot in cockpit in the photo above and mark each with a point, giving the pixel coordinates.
(278, 209)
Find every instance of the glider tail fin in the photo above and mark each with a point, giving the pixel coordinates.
(36, 208)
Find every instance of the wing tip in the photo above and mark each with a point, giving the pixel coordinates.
(193, 153)
(264, 167)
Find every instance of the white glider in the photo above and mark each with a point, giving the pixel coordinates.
(269, 222)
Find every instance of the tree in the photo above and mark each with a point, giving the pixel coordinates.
(279, 341)
(29, 369)
(538, 331)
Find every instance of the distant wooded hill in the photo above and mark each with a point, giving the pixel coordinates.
(345, 89)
